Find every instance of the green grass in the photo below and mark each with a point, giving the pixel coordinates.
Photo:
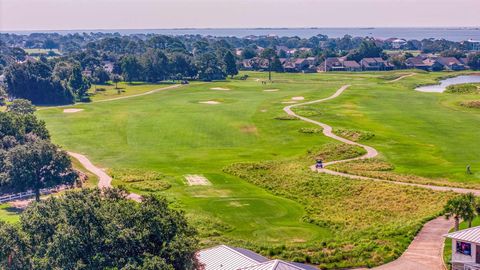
(9, 214)
(171, 134)
(425, 134)
(124, 89)
(41, 51)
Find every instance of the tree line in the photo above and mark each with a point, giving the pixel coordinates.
(28, 160)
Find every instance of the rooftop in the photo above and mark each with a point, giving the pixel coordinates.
(469, 235)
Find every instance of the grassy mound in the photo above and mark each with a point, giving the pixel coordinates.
(467, 88)
(147, 181)
(372, 223)
(354, 135)
(471, 104)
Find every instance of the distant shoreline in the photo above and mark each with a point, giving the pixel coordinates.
(445, 32)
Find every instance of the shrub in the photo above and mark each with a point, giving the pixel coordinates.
(467, 88)
(471, 104)
(354, 135)
(310, 130)
(286, 117)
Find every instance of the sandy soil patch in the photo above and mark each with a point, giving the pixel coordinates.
(210, 102)
(251, 129)
(72, 110)
(220, 89)
(289, 102)
(298, 98)
(197, 180)
(270, 90)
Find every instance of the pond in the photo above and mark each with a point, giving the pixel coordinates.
(439, 88)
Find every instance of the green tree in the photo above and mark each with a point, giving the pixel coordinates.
(460, 207)
(12, 248)
(474, 61)
(35, 165)
(155, 65)
(230, 64)
(277, 65)
(21, 106)
(93, 229)
(269, 54)
(131, 68)
(78, 83)
(116, 79)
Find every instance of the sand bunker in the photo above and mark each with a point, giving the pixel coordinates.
(197, 180)
(270, 90)
(220, 89)
(263, 110)
(298, 98)
(72, 110)
(211, 102)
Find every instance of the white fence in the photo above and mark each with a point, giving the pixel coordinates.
(31, 193)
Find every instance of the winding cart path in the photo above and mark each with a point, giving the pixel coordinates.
(104, 180)
(426, 250)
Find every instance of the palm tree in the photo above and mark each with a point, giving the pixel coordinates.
(269, 54)
(460, 207)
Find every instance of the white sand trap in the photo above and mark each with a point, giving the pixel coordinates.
(220, 89)
(211, 102)
(298, 98)
(197, 180)
(270, 90)
(289, 102)
(73, 110)
(263, 110)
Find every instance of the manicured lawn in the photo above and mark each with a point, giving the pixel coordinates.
(425, 134)
(281, 210)
(109, 91)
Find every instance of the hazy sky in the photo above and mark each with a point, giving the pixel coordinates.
(141, 14)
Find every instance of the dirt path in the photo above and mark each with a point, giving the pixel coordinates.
(426, 250)
(402, 77)
(104, 180)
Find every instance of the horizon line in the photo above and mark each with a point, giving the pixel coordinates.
(245, 28)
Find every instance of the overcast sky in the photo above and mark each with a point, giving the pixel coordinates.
(151, 14)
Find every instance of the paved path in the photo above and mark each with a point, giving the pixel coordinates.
(117, 98)
(104, 180)
(426, 250)
(402, 77)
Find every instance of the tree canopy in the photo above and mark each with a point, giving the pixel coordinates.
(93, 229)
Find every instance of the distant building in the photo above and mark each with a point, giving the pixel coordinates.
(396, 43)
(473, 45)
(465, 249)
(352, 66)
(230, 258)
(451, 63)
(375, 64)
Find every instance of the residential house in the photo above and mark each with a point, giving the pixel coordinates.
(473, 45)
(465, 249)
(451, 63)
(375, 63)
(231, 258)
(332, 64)
(398, 43)
(352, 66)
(417, 62)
